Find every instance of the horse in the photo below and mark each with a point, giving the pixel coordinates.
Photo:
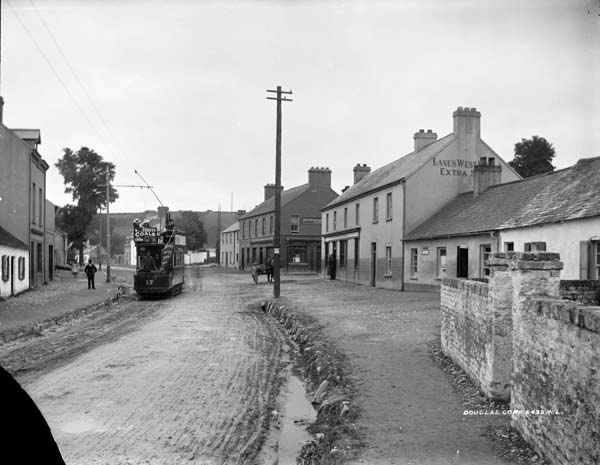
(267, 269)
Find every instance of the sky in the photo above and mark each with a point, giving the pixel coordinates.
(177, 89)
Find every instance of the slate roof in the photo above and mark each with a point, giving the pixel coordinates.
(568, 194)
(394, 171)
(8, 240)
(269, 204)
(232, 228)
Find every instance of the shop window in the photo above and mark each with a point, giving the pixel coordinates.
(357, 213)
(414, 261)
(388, 260)
(356, 252)
(485, 251)
(388, 206)
(5, 268)
(21, 268)
(375, 210)
(297, 254)
(441, 262)
(40, 258)
(295, 223)
(343, 254)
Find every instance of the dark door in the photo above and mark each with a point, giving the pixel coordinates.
(462, 262)
(373, 263)
(318, 259)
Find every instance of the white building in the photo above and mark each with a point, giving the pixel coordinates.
(554, 212)
(365, 227)
(230, 246)
(14, 256)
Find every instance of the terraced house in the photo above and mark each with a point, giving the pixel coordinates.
(366, 225)
(300, 228)
(554, 212)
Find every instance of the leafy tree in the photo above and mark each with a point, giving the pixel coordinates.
(194, 228)
(84, 172)
(533, 156)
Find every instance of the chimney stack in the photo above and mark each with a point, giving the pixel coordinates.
(162, 216)
(360, 171)
(319, 177)
(269, 190)
(423, 139)
(485, 174)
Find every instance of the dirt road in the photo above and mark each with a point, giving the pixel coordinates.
(186, 380)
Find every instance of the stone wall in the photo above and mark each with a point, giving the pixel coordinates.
(587, 292)
(556, 360)
(469, 334)
(517, 335)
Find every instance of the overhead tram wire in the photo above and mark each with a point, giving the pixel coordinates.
(60, 80)
(149, 187)
(72, 69)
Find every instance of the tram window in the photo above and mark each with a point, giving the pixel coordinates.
(148, 258)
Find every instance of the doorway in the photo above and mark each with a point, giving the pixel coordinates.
(373, 264)
(462, 262)
(51, 263)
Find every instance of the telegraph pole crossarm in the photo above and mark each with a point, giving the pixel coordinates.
(277, 236)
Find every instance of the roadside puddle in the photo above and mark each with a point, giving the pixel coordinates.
(288, 427)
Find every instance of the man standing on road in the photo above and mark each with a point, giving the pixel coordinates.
(331, 266)
(90, 271)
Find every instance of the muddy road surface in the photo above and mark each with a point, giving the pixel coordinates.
(191, 379)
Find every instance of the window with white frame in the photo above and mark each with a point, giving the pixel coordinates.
(335, 220)
(388, 206)
(485, 251)
(414, 262)
(295, 226)
(375, 210)
(388, 260)
(326, 222)
(357, 214)
(441, 262)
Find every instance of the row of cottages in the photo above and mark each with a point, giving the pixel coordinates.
(30, 244)
(366, 226)
(230, 246)
(300, 226)
(557, 212)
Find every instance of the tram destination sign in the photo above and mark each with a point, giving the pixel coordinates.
(142, 234)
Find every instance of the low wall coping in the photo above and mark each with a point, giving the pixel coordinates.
(474, 287)
(567, 311)
(524, 261)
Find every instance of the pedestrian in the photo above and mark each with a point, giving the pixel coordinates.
(90, 271)
(331, 266)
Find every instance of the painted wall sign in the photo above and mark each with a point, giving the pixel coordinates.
(145, 234)
(310, 220)
(450, 167)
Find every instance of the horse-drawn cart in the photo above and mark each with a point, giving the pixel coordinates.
(257, 270)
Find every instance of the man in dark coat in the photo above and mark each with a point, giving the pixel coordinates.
(90, 271)
(331, 266)
(24, 433)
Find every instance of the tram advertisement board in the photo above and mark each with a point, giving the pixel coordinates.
(141, 234)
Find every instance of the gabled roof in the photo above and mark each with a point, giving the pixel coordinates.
(232, 228)
(29, 135)
(269, 205)
(393, 172)
(568, 194)
(8, 240)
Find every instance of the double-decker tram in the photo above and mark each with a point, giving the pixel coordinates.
(160, 261)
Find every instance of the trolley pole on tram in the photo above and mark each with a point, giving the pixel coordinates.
(277, 235)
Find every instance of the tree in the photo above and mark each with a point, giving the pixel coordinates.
(533, 156)
(84, 173)
(194, 228)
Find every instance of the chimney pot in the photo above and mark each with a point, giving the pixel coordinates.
(360, 172)
(491, 161)
(482, 161)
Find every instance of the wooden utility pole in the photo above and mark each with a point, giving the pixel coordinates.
(107, 225)
(277, 236)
